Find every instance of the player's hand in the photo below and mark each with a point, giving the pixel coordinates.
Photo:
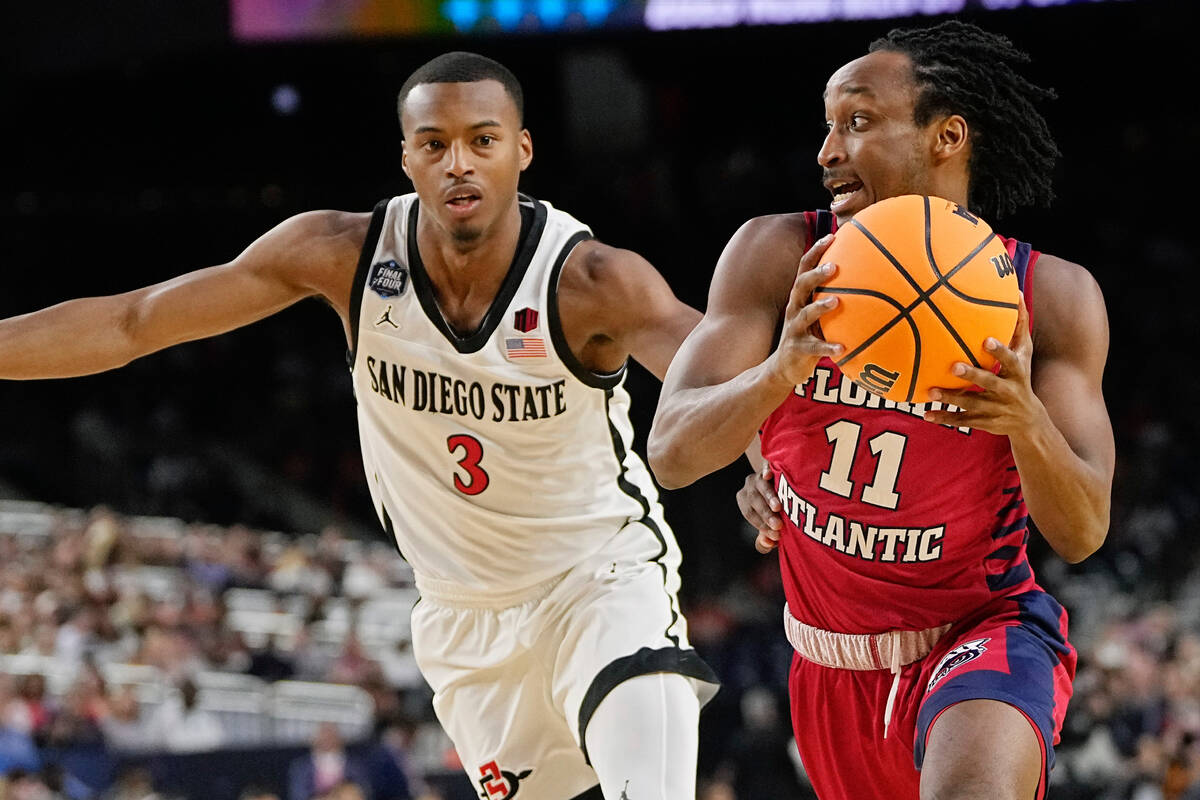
(760, 506)
(1006, 405)
(800, 348)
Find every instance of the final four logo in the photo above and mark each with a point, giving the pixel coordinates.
(388, 279)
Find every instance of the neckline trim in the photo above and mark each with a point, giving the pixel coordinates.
(533, 223)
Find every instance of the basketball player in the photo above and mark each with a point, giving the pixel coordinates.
(929, 663)
(488, 336)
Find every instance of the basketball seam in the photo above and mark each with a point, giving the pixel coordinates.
(944, 281)
(923, 296)
(905, 314)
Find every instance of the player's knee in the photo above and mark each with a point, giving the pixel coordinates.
(643, 739)
(981, 750)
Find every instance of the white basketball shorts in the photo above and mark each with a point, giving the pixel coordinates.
(515, 687)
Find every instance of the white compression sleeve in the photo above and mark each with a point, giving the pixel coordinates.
(643, 739)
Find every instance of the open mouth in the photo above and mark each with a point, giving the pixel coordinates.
(463, 204)
(842, 192)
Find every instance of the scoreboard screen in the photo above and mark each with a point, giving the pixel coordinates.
(258, 20)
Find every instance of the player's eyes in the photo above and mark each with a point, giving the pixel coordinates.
(485, 139)
(856, 122)
(432, 145)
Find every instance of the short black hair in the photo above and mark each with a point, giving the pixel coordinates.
(959, 68)
(463, 67)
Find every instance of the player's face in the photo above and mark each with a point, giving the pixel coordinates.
(874, 149)
(464, 150)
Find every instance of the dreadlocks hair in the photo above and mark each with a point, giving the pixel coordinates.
(462, 67)
(961, 69)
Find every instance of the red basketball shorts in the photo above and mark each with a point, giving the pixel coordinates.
(1015, 650)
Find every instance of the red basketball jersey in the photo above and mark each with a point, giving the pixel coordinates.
(891, 522)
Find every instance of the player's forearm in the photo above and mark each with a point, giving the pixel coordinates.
(699, 430)
(1067, 497)
(78, 337)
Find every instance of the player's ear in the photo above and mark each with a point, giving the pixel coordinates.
(953, 137)
(404, 158)
(526, 145)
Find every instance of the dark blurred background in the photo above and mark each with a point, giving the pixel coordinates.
(147, 139)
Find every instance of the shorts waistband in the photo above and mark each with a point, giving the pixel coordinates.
(860, 651)
(455, 595)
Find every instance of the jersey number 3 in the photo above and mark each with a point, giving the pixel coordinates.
(888, 447)
(477, 477)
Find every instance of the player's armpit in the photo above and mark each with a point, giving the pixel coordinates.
(301, 257)
(614, 304)
(717, 392)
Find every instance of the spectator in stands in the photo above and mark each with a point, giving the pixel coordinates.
(31, 713)
(124, 727)
(133, 783)
(25, 785)
(184, 727)
(256, 791)
(17, 751)
(388, 764)
(325, 766)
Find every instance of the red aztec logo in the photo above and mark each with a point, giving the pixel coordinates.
(526, 320)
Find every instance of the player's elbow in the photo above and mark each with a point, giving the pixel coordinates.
(667, 460)
(1086, 541)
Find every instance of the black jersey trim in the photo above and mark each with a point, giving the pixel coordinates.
(360, 275)
(631, 489)
(823, 223)
(646, 661)
(593, 793)
(597, 380)
(533, 223)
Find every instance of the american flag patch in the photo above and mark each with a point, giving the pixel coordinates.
(525, 347)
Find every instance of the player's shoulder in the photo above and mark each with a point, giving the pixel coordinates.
(1067, 301)
(595, 262)
(327, 228)
(790, 231)
(1062, 284)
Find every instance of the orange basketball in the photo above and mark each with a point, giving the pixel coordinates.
(922, 282)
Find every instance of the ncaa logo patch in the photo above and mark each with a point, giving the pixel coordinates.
(388, 279)
(967, 651)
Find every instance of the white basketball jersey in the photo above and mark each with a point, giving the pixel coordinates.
(496, 460)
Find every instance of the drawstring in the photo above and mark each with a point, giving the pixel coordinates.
(891, 701)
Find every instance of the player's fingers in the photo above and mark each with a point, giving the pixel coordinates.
(812, 257)
(764, 544)
(955, 419)
(806, 281)
(1011, 363)
(800, 322)
(1022, 341)
(766, 491)
(983, 378)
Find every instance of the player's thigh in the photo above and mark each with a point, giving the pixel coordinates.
(492, 696)
(982, 749)
(994, 701)
(619, 618)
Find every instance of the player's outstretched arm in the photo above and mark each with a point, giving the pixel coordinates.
(1047, 399)
(309, 254)
(729, 375)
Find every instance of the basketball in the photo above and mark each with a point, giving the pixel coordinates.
(922, 282)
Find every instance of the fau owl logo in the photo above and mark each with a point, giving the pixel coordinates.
(499, 784)
(967, 651)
